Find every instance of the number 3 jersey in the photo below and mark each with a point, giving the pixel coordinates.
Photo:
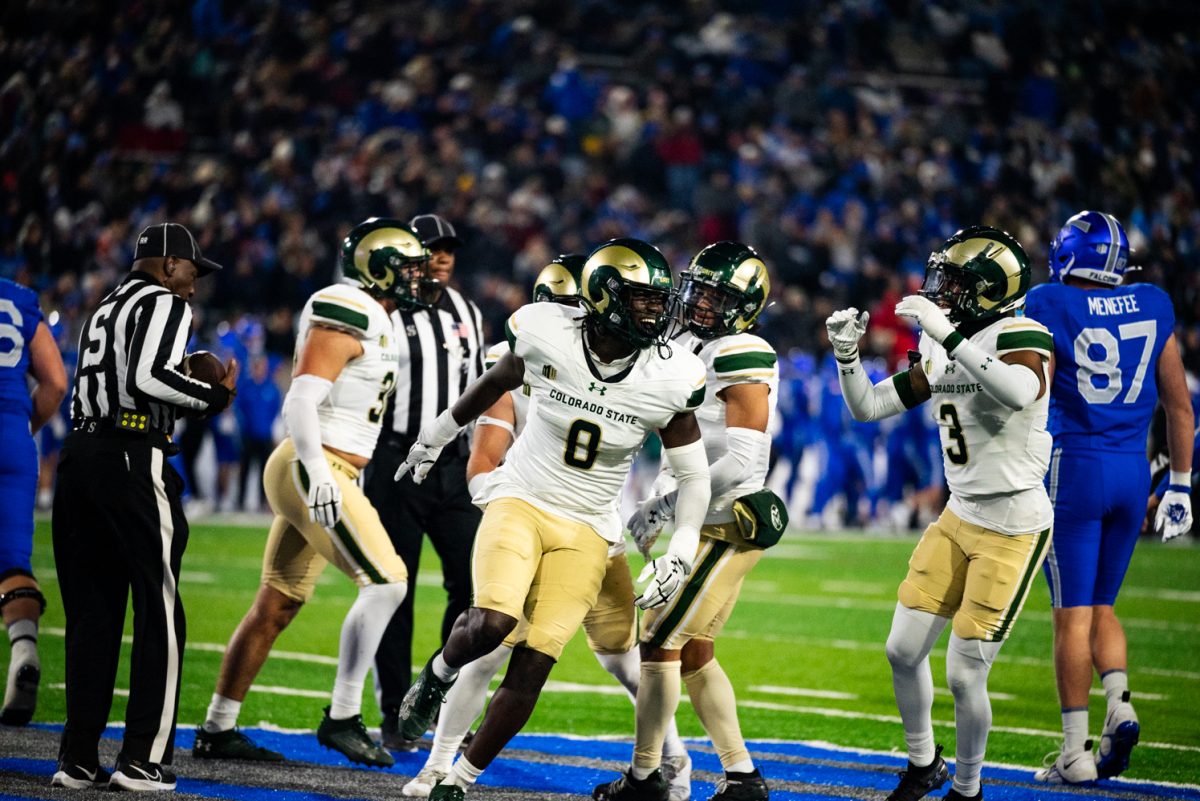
(995, 457)
(1107, 344)
(352, 414)
(584, 428)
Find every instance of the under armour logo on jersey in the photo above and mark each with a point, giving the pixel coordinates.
(549, 372)
(594, 387)
(950, 368)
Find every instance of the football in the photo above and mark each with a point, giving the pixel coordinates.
(203, 366)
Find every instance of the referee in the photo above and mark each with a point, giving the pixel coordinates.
(441, 353)
(118, 520)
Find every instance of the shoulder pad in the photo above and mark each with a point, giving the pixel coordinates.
(1024, 333)
(742, 356)
(348, 309)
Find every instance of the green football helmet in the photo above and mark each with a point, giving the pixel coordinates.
(979, 273)
(561, 280)
(385, 257)
(723, 290)
(627, 287)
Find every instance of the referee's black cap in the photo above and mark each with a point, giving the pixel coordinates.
(172, 239)
(434, 230)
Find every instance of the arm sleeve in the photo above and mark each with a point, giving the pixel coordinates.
(867, 401)
(690, 465)
(303, 423)
(158, 345)
(744, 447)
(1014, 385)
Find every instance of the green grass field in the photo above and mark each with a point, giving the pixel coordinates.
(804, 650)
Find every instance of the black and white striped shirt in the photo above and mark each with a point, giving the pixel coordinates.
(130, 350)
(441, 353)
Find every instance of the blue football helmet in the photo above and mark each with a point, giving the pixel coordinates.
(1092, 246)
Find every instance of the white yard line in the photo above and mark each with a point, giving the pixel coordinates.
(803, 691)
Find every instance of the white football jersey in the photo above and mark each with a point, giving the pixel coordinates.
(995, 457)
(730, 360)
(583, 430)
(352, 414)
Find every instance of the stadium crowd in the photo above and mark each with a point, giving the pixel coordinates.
(842, 139)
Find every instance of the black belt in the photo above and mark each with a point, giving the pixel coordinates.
(133, 429)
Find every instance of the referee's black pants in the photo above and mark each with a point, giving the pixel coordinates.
(118, 526)
(440, 507)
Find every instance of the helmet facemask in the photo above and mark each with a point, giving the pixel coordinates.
(709, 308)
(647, 314)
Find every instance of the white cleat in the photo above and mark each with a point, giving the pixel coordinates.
(421, 785)
(1071, 767)
(677, 770)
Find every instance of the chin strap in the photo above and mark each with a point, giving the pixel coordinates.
(23, 592)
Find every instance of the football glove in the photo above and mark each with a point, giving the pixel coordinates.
(669, 573)
(845, 328)
(929, 316)
(646, 523)
(425, 451)
(1174, 515)
(324, 497)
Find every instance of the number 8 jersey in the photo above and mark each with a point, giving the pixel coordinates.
(1107, 347)
(584, 426)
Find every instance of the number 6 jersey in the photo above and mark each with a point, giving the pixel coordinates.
(353, 413)
(1106, 365)
(995, 457)
(585, 426)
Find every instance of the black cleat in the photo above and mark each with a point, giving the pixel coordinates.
(742, 787)
(349, 738)
(955, 795)
(134, 774)
(77, 777)
(389, 734)
(447, 792)
(918, 782)
(626, 788)
(19, 709)
(231, 744)
(422, 702)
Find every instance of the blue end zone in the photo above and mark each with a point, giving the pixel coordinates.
(851, 769)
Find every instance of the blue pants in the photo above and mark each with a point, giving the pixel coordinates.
(18, 490)
(1099, 502)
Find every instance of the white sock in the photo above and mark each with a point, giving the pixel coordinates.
(745, 766)
(361, 632)
(626, 668)
(22, 634)
(442, 670)
(463, 773)
(222, 714)
(1075, 728)
(463, 704)
(1116, 684)
(911, 639)
(968, 663)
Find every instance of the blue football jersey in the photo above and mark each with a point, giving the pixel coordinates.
(19, 318)
(1106, 348)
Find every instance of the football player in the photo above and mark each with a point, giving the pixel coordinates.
(600, 380)
(985, 370)
(345, 367)
(1114, 352)
(610, 626)
(27, 348)
(721, 293)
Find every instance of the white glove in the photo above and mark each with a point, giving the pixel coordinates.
(428, 447)
(929, 316)
(669, 573)
(324, 497)
(1174, 515)
(646, 523)
(845, 328)
(420, 461)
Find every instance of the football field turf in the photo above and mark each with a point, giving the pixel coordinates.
(804, 650)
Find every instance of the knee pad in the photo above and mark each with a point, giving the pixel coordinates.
(23, 592)
(393, 593)
(968, 663)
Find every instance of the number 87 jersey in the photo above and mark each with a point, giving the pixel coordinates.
(585, 423)
(1106, 348)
